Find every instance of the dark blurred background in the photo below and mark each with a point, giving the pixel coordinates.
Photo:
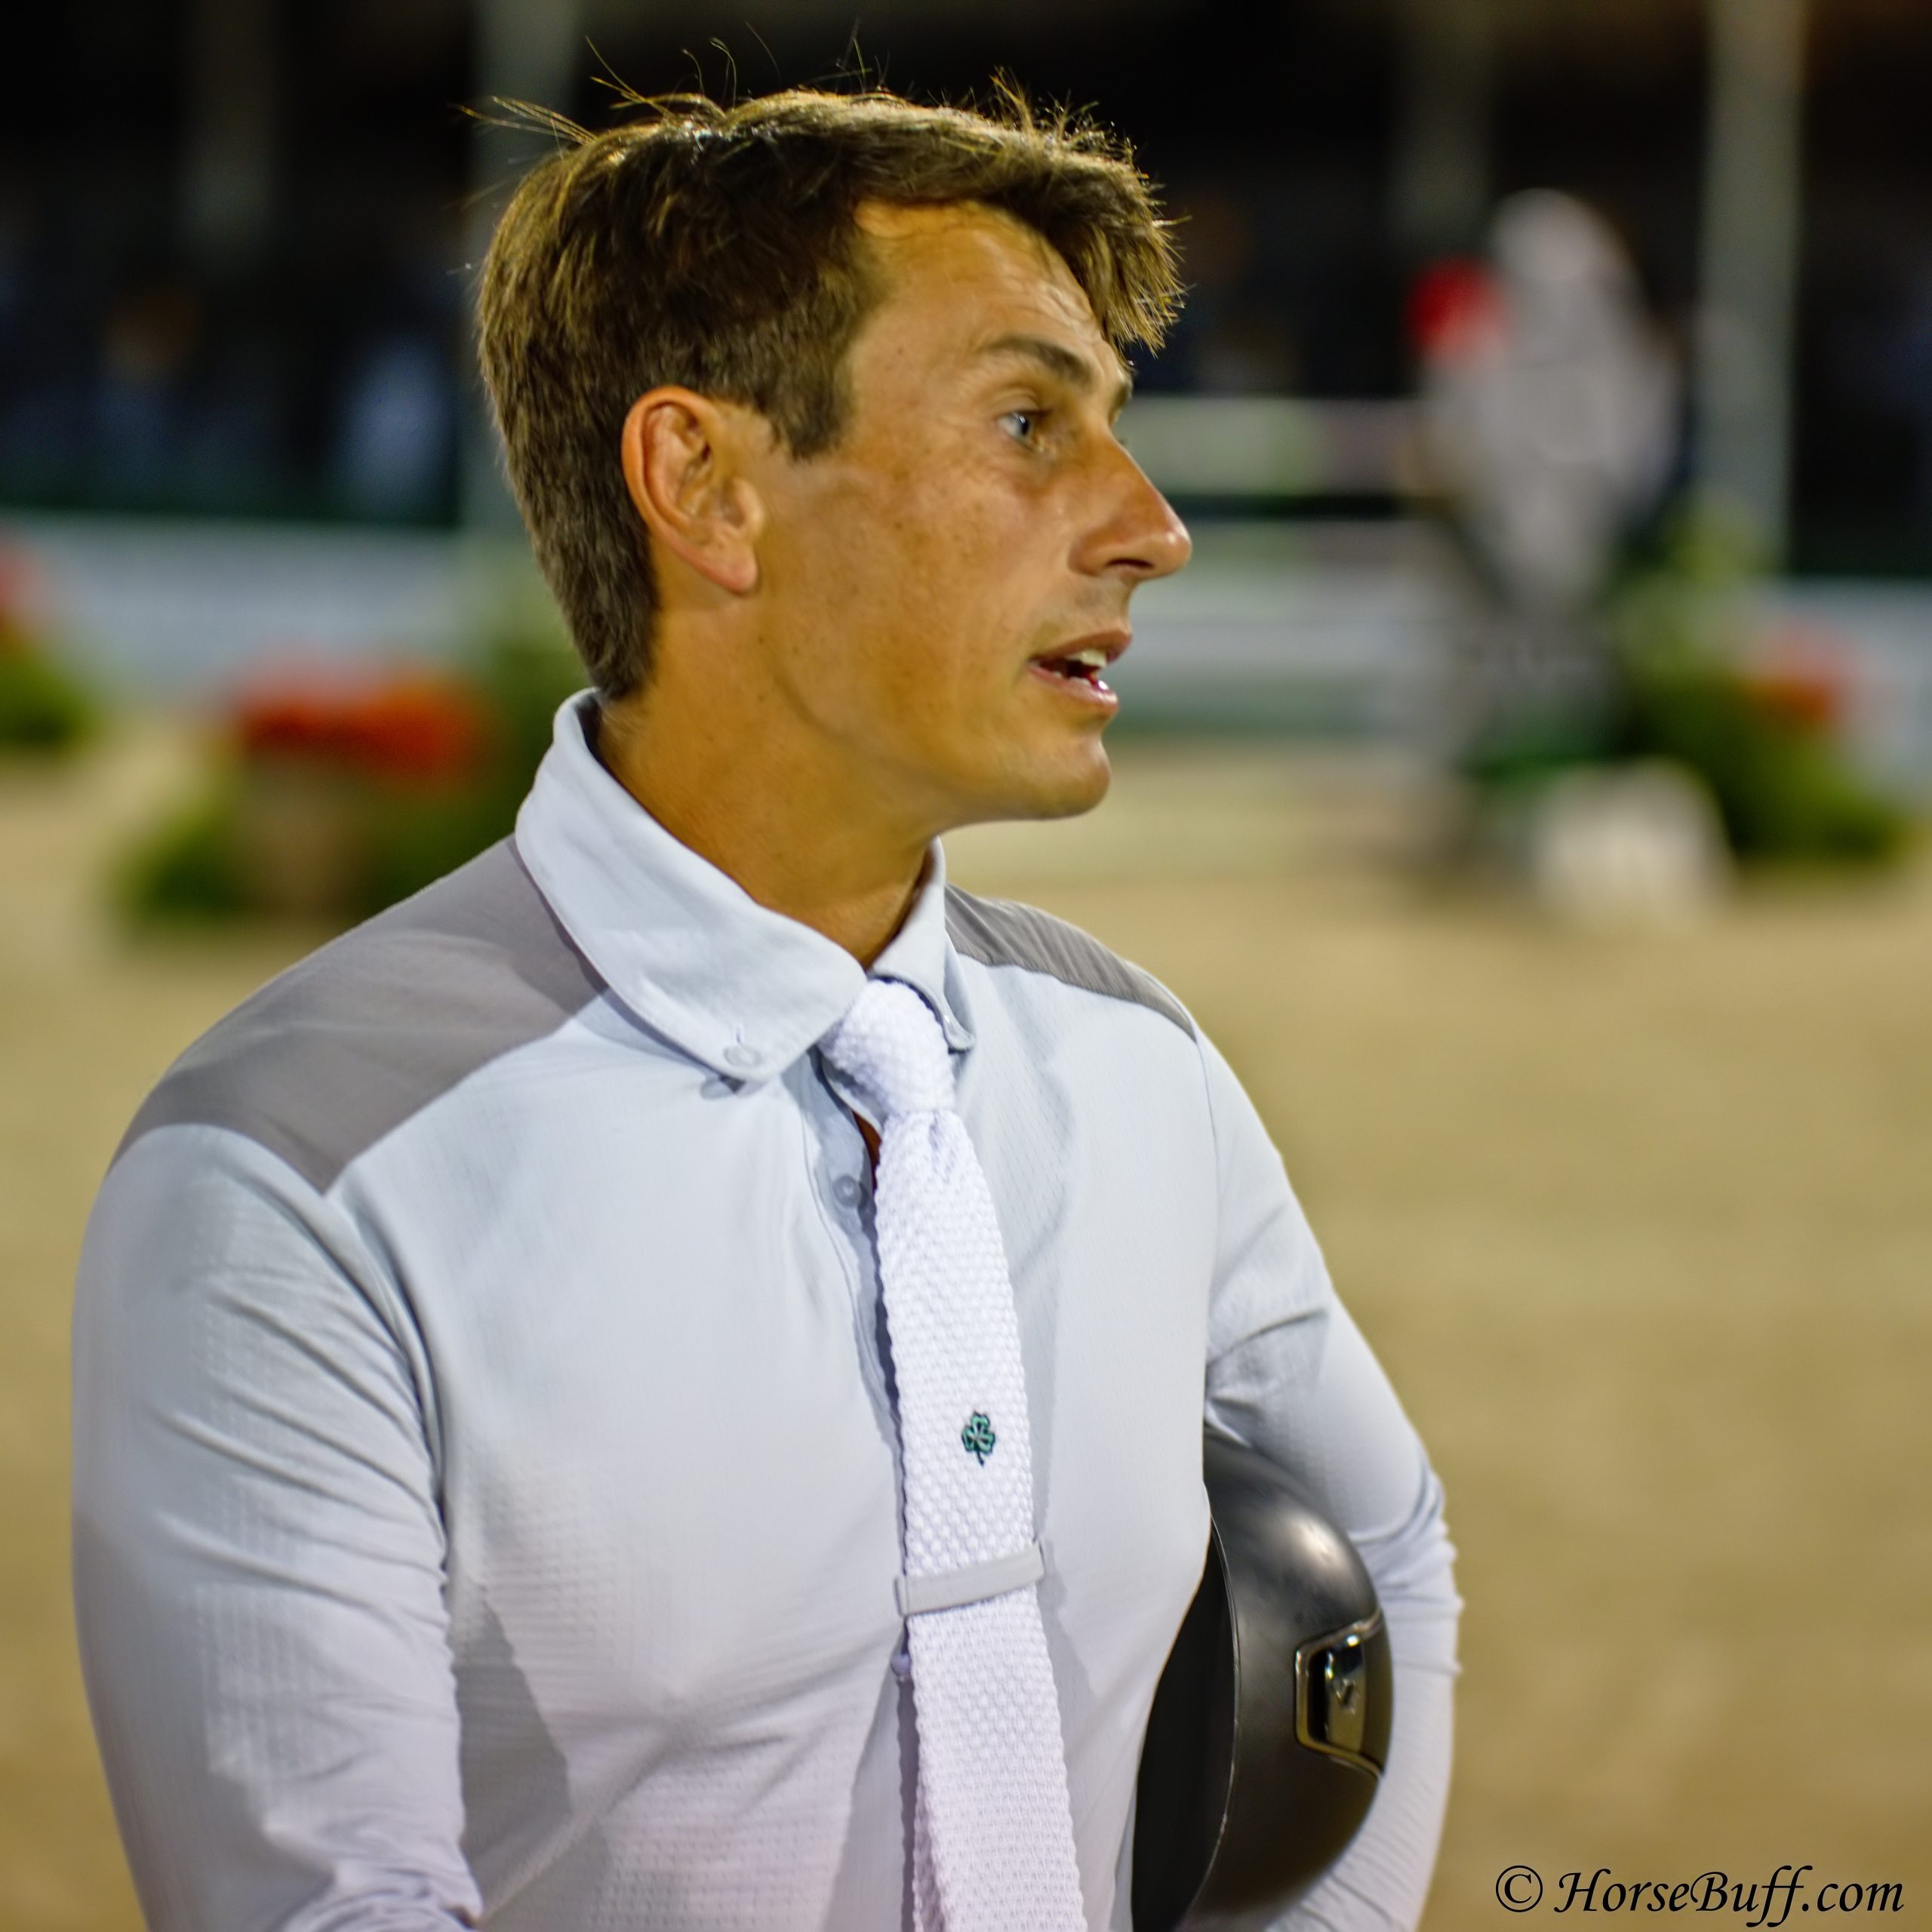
(233, 233)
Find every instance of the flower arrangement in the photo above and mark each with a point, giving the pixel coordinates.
(334, 793)
(1755, 717)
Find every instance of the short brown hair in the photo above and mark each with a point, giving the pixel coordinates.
(716, 248)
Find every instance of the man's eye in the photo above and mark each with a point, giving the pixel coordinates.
(1023, 425)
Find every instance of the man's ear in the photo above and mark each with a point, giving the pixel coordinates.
(682, 457)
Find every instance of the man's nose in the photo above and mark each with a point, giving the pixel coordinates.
(1141, 537)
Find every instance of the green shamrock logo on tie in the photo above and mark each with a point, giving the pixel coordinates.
(978, 1435)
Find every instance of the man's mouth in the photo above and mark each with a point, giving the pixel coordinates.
(1085, 665)
(1080, 670)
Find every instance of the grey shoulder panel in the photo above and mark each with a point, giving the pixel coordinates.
(998, 933)
(346, 1046)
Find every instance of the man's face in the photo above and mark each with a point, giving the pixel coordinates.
(930, 578)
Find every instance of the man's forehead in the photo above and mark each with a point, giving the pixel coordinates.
(915, 222)
(997, 280)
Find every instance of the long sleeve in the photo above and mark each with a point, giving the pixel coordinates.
(258, 1556)
(1290, 1375)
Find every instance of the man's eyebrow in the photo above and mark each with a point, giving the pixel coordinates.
(1076, 369)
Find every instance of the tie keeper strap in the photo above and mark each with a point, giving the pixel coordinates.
(947, 1590)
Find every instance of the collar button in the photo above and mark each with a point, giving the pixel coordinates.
(741, 1056)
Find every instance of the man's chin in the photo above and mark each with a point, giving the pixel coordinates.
(1065, 790)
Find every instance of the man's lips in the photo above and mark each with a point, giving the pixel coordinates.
(1079, 661)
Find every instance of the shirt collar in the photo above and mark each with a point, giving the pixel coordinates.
(743, 990)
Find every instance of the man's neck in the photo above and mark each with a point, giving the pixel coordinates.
(785, 836)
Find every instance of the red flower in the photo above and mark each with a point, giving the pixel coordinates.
(420, 726)
(1801, 677)
(1456, 312)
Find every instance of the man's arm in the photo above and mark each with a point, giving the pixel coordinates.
(1290, 1375)
(258, 1556)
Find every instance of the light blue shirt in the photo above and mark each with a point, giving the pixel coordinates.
(486, 1505)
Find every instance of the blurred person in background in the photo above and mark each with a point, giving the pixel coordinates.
(502, 1370)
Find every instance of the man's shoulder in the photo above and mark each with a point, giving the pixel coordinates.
(347, 1043)
(1002, 933)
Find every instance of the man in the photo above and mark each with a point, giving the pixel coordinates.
(493, 1432)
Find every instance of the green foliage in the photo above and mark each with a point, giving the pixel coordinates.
(1782, 790)
(1534, 743)
(412, 838)
(42, 708)
(523, 676)
(188, 868)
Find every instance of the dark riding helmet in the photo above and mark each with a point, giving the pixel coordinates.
(1269, 1729)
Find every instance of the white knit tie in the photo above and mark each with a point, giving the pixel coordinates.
(993, 1830)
